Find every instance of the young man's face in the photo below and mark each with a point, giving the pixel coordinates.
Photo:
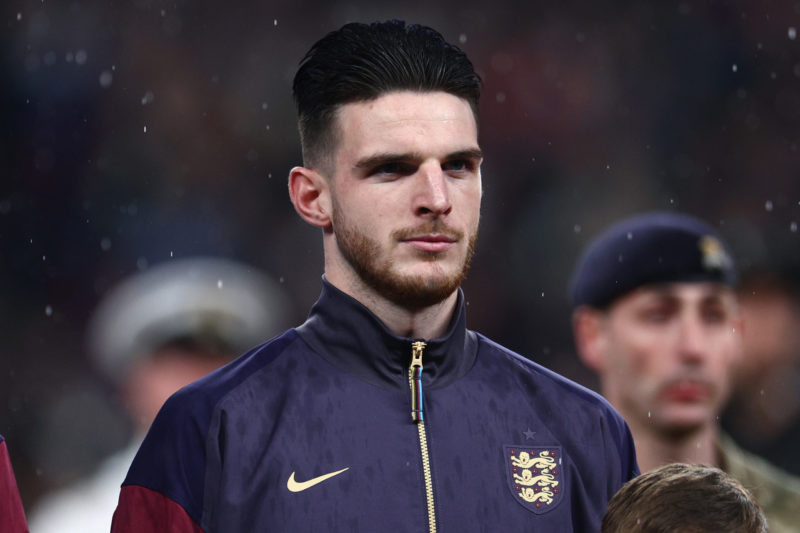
(406, 193)
(669, 351)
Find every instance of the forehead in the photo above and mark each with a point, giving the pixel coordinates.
(407, 120)
(683, 292)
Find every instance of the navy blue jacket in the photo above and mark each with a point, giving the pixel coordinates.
(313, 431)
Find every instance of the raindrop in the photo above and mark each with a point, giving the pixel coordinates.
(105, 79)
(145, 129)
(105, 244)
(608, 167)
(630, 236)
(170, 253)
(44, 258)
(793, 227)
(48, 311)
(81, 57)
(275, 22)
(792, 33)
(761, 392)
(735, 67)
(501, 97)
(768, 205)
(648, 414)
(267, 127)
(462, 38)
(19, 16)
(219, 283)
(576, 228)
(281, 280)
(69, 57)
(542, 294)
(148, 97)
(264, 106)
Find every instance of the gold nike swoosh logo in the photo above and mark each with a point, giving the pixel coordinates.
(295, 486)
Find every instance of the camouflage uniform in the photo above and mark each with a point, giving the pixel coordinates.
(777, 492)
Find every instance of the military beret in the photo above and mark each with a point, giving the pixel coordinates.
(654, 247)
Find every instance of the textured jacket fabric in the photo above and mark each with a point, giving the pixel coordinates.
(325, 410)
(777, 492)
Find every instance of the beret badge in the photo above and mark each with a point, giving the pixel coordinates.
(714, 256)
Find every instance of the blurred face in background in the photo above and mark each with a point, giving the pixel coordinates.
(665, 354)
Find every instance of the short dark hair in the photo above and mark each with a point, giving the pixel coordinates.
(361, 62)
(683, 497)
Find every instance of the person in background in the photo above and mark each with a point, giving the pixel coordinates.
(681, 497)
(12, 514)
(764, 412)
(152, 334)
(656, 316)
(382, 412)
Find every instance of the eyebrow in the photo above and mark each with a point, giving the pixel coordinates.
(394, 157)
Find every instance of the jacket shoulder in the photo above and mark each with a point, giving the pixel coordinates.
(548, 378)
(172, 459)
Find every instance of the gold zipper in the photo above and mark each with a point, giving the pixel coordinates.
(418, 415)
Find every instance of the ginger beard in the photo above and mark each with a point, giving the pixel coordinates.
(379, 273)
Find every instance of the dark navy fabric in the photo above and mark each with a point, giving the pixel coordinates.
(333, 394)
(654, 247)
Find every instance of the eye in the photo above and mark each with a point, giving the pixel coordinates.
(714, 314)
(393, 168)
(658, 314)
(458, 165)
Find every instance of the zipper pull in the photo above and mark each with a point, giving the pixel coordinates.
(415, 381)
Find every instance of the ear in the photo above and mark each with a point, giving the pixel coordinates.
(310, 196)
(590, 337)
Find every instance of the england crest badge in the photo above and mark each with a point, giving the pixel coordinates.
(535, 476)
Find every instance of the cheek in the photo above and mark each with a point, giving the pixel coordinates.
(635, 354)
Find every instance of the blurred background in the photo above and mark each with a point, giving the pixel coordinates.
(138, 133)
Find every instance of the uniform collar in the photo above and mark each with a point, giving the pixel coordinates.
(346, 334)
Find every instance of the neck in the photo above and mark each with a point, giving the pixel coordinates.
(429, 322)
(655, 448)
(425, 323)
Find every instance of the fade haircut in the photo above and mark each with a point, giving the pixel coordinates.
(361, 62)
(683, 498)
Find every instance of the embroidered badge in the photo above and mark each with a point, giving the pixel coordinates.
(534, 476)
(714, 255)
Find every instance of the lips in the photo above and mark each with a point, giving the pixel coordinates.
(687, 391)
(432, 243)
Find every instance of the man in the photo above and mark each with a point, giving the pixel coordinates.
(12, 515)
(382, 412)
(155, 332)
(683, 497)
(656, 317)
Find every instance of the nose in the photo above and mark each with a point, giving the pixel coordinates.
(693, 342)
(432, 198)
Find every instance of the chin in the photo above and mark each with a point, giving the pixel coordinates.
(682, 422)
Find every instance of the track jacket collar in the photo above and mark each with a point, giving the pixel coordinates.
(346, 334)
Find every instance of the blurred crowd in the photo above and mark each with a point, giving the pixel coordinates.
(143, 133)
